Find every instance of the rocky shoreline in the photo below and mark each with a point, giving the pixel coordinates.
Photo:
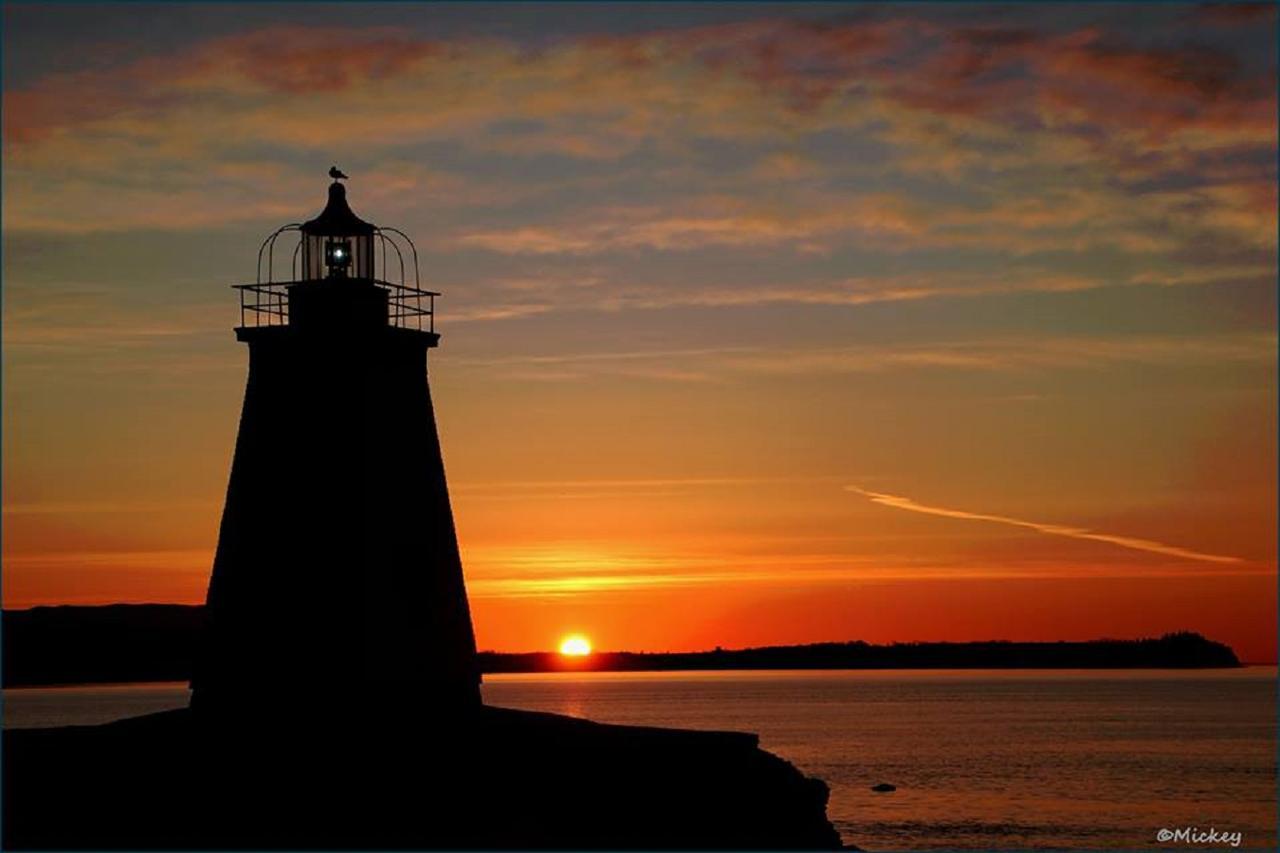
(492, 779)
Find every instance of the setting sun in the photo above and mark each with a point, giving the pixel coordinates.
(575, 645)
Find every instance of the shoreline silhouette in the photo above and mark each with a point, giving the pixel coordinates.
(73, 644)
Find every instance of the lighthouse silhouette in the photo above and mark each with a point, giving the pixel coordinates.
(336, 695)
(337, 572)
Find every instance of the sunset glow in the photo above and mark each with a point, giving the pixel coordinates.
(575, 645)
(759, 324)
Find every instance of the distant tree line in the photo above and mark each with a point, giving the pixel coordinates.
(1184, 649)
(156, 642)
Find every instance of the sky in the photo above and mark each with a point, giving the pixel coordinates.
(760, 324)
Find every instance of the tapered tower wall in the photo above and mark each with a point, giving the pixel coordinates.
(337, 566)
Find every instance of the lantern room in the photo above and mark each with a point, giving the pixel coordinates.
(340, 254)
(337, 243)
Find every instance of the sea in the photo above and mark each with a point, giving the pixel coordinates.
(980, 759)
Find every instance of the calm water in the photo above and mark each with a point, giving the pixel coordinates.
(982, 759)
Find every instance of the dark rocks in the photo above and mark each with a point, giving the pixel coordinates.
(884, 788)
(496, 779)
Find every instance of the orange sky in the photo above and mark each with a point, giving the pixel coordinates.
(759, 325)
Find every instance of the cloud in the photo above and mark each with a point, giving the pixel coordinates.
(1129, 542)
(575, 292)
(985, 355)
(711, 221)
(1045, 119)
(114, 507)
(1236, 14)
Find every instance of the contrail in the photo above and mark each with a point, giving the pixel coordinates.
(1051, 529)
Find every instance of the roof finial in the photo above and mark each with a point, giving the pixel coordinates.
(336, 173)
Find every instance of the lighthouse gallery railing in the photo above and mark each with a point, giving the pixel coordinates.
(266, 303)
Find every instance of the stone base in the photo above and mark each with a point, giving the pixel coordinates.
(494, 779)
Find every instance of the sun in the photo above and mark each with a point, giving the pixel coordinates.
(575, 645)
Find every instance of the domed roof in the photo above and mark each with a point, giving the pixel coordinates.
(337, 219)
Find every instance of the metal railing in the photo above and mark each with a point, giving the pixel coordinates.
(267, 304)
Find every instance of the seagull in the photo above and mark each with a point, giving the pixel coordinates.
(336, 173)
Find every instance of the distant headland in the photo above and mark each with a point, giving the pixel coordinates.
(1182, 650)
(156, 642)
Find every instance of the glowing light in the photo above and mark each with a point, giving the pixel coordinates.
(575, 645)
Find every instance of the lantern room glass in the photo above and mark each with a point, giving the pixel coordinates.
(315, 264)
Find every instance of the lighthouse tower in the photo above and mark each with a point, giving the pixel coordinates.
(337, 580)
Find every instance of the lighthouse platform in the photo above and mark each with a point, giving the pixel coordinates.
(492, 779)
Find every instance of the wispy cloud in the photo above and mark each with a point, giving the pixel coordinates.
(1130, 542)
(1011, 354)
(1046, 118)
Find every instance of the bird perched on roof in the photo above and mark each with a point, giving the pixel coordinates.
(336, 173)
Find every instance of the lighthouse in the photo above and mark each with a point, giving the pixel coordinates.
(336, 693)
(337, 579)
